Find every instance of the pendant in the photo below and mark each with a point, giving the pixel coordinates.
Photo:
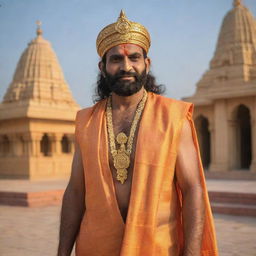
(122, 175)
(121, 138)
(121, 159)
(121, 163)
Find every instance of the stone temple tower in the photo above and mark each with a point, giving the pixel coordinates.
(37, 117)
(225, 98)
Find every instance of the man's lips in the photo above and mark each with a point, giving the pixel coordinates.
(126, 77)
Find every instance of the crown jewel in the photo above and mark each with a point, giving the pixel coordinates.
(123, 25)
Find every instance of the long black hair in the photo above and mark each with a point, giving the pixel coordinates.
(102, 91)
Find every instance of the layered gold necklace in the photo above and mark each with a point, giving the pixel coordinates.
(122, 155)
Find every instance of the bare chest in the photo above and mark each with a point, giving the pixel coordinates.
(122, 123)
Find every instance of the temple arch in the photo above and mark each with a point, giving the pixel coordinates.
(5, 145)
(20, 146)
(65, 144)
(204, 139)
(242, 138)
(45, 145)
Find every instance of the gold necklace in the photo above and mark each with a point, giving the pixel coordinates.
(121, 156)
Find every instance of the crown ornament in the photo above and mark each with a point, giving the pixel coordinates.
(123, 25)
(123, 31)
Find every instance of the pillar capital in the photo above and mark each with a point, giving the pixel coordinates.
(56, 136)
(36, 135)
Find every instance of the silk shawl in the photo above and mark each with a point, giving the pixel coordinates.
(154, 222)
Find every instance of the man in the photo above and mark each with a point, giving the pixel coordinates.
(137, 185)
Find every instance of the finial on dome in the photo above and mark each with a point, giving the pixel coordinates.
(237, 3)
(39, 30)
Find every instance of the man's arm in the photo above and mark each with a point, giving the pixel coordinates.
(188, 177)
(72, 206)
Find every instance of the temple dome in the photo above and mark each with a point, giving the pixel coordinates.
(237, 38)
(38, 76)
(38, 88)
(232, 70)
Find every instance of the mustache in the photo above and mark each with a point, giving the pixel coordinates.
(122, 73)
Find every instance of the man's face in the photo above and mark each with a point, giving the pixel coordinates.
(126, 69)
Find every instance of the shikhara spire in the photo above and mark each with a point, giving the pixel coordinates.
(38, 76)
(233, 66)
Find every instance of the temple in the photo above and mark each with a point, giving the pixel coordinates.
(37, 117)
(225, 99)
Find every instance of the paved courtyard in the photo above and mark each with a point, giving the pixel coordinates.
(34, 232)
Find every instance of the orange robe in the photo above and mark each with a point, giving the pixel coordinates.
(154, 222)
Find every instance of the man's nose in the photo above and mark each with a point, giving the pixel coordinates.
(126, 66)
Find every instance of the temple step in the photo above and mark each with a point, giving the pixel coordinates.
(232, 197)
(234, 209)
(233, 203)
(31, 199)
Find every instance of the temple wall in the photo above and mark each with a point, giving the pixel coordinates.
(225, 133)
(36, 149)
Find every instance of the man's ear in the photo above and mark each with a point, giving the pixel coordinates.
(101, 65)
(148, 64)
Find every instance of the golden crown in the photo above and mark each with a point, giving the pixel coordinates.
(121, 32)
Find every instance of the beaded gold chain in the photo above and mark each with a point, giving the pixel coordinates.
(121, 156)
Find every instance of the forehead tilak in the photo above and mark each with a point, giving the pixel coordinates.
(125, 49)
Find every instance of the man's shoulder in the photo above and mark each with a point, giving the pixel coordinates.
(88, 111)
(171, 103)
(85, 111)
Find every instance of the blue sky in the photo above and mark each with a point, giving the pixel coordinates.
(184, 34)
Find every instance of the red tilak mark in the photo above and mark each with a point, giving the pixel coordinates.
(124, 47)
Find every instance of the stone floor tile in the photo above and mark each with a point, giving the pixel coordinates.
(34, 232)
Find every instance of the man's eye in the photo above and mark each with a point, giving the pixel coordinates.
(134, 58)
(115, 60)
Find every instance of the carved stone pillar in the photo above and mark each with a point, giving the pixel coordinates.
(56, 143)
(28, 144)
(15, 145)
(71, 139)
(35, 144)
(221, 137)
(233, 142)
(20, 149)
(12, 139)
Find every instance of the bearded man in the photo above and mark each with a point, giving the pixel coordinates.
(137, 186)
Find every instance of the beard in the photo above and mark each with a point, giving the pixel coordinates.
(125, 88)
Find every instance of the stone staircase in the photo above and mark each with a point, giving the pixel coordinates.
(233, 203)
(31, 199)
(227, 197)
(31, 193)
